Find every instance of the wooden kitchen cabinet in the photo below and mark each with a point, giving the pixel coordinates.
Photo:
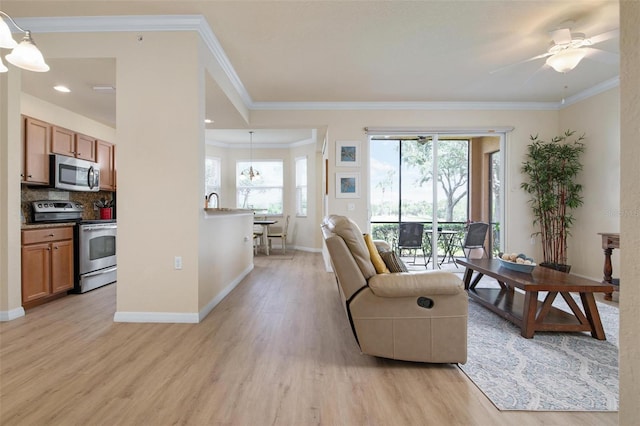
(85, 147)
(47, 264)
(106, 159)
(63, 141)
(36, 139)
(67, 142)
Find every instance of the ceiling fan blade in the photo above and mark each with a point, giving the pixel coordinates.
(541, 68)
(544, 55)
(605, 36)
(561, 36)
(602, 55)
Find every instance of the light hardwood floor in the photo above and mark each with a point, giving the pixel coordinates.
(277, 351)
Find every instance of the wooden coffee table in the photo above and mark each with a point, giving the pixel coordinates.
(523, 308)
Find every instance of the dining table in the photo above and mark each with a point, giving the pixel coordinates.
(264, 238)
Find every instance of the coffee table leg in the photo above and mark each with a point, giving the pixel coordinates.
(593, 316)
(529, 315)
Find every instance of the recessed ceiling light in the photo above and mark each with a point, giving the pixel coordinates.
(61, 88)
(104, 88)
(208, 121)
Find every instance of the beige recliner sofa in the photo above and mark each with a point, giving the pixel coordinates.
(414, 316)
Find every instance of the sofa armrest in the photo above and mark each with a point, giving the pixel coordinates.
(408, 284)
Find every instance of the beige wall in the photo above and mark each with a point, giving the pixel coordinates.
(630, 212)
(599, 119)
(46, 111)
(10, 168)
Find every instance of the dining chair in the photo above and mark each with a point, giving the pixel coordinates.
(475, 238)
(279, 232)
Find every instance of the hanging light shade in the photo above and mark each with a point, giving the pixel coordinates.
(566, 60)
(250, 173)
(6, 39)
(24, 55)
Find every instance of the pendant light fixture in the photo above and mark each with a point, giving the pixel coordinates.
(250, 172)
(24, 55)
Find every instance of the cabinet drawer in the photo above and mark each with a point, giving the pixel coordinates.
(33, 236)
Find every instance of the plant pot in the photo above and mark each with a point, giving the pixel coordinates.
(557, 266)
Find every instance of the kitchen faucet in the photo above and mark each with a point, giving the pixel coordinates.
(207, 199)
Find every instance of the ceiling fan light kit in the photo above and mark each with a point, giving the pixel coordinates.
(24, 55)
(566, 59)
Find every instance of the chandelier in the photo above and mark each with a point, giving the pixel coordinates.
(250, 173)
(24, 55)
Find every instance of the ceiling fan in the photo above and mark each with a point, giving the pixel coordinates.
(568, 48)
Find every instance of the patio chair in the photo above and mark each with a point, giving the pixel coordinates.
(475, 238)
(410, 237)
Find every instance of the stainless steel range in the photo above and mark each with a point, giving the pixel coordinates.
(94, 242)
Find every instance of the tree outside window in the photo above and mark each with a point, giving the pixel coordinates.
(263, 193)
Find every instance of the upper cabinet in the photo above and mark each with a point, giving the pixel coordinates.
(36, 151)
(69, 143)
(41, 139)
(85, 147)
(107, 160)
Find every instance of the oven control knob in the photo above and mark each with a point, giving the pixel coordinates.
(46, 205)
(40, 205)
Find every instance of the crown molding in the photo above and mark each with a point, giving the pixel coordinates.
(81, 24)
(592, 91)
(404, 105)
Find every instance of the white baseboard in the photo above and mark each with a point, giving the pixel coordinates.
(214, 302)
(12, 314)
(164, 317)
(308, 249)
(181, 317)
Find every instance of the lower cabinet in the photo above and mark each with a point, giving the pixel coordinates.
(47, 264)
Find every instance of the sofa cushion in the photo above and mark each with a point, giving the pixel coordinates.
(393, 262)
(423, 283)
(376, 259)
(349, 231)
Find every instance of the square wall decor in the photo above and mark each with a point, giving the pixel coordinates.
(347, 185)
(347, 153)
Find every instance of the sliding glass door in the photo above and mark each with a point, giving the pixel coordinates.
(424, 179)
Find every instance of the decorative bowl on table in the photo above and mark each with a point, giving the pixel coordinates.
(516, 262)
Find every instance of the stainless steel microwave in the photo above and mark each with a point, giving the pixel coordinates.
(74, 174)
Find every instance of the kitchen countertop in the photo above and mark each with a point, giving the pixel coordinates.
(223, 211)
(46, 225)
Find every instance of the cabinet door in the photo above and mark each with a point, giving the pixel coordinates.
(105, 158)
(63, 141)
(36, 151)
(61, 266)
(85, 147)
(36, 261)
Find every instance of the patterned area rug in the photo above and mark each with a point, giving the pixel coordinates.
(551, 372)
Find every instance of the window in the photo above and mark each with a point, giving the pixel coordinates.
(212, 175)
(301, 186)
(264, 192)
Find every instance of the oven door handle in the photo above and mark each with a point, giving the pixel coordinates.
(99, 228)
(100, 272)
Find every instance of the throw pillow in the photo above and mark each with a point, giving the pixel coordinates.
(393, 262)
(376, 259)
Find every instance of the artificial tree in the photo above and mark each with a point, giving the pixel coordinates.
(551, 169)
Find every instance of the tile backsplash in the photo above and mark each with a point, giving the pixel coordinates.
(87, 199)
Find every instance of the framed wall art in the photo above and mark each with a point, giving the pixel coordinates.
(347, 153)
(347, 185)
